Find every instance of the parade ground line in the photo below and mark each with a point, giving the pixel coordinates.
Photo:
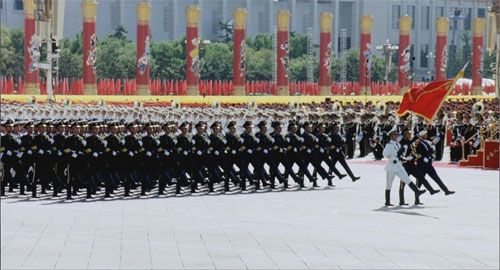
(344, 227)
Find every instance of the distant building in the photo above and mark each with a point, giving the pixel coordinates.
(168, 19)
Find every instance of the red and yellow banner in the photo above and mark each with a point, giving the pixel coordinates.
(427, 101)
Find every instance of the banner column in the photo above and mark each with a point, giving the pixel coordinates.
(477, 55)
(143, 56)
(404, 53)
(32, 44)
(283, 20)
(192, 50)
(239, 51)
(325, 53)
(366, 24)
(441, 60)
(89, 9)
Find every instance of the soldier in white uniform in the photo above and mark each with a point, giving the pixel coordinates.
(395, 167)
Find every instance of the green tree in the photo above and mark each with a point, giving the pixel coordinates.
(11, 52)
(115, 58)
(227, 30)
(259, 65)
(489, 61)
(167, 61)
(217, 62)
(261, 41)
(298, 46)
(120, 32)
(70, 64)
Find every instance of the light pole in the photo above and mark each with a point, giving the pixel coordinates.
(457, 16)
(387, 50)
(430, 56)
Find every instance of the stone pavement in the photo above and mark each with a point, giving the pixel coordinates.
(344, 227)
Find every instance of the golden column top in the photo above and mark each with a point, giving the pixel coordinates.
(143, 12)
(283, 19)
(29, 9)
(405, 25)
(442, 26)
(366, 23)
(325, 22)
(478, 27)
(240, 18)
(89, 10)
(193, 15)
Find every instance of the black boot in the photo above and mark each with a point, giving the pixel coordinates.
(388, 198)
(355, 178)
(402, 194)
(449, 192)
(330, 182)
(417, 191)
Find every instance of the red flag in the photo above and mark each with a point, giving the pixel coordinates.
(427, 101)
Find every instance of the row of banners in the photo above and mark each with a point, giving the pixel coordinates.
(214, 88)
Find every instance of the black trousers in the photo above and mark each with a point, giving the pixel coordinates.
(428, 169)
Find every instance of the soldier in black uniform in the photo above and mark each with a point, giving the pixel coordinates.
(248, 148)
(215, 156)
(183, 151)
(73, 153)
(199, 157)
(377, 149)
(311, 154)
(324, 142)
(167, 158)
(23, 172)
(8, 148)
(113, 160)
(94, 148)
(336, 152)
(293, 155)
(231, 153)
(408, 160)
(41, 148)
(262, 154)
(130, 149)
(424, 162)
(277, 155)
(59, 139)
(149, 159)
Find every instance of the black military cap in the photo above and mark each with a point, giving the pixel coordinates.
(262, 123)
(165, 125)
(215, 124)
(231, 124)
(276, 124)
(291, 125)
(147, 125)
(131, 125)
(306, 124)
(39, 124)
(184, 124)
(247, 124)
(199, 124)
(9, 122)
(93, 124)
(59, 124)
(28, 124)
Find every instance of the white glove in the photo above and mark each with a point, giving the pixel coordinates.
(74, 155)
(288, 139)
(193, 142)
(185, 153)
(140, 143)
(329, 139)
(301, 139)
(9, 153)
(426, 160)
(12, 172)
(167, 153)
(272, 140)
(59, 153)
(113, 153)
(148, 154)
(321, 150)
(337, 150)
(308, 151)
(250, 151)
(40, 152)
(105, 143)
(30, 152)
(131, 153)
(95, 154)
(265, 151)
(198, 152)
(233, 152)
(19, 155)
(84, 143)
(216, 152)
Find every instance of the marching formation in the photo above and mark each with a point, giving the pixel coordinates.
(65, 148)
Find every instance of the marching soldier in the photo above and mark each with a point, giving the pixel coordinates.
(231, 154)
(394, 167)
(183, 150)
(424, 161)
(336, 152)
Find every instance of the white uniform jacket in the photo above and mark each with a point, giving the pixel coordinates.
(391, 153)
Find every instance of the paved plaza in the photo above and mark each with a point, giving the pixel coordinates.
(323, 228)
